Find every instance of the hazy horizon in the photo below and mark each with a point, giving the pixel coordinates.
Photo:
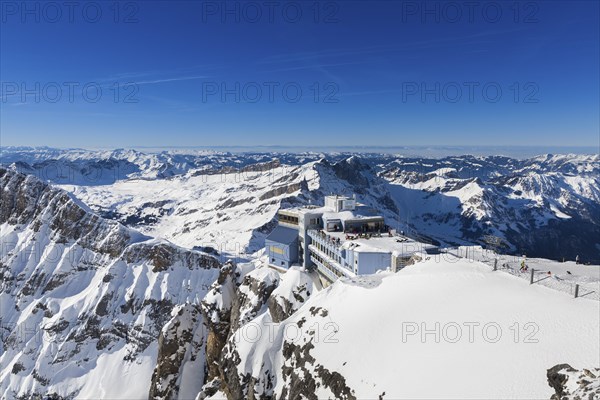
(433, 151)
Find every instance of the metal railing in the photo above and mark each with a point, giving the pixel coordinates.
(536, 273)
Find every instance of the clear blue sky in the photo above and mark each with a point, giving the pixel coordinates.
(373, 67)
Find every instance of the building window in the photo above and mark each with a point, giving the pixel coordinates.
(272, 260)
(278, 250)
(282, 263)
(288, 219)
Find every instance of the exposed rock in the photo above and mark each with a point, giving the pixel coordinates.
(295, 288)
(216, 310)
(181, 342)
(572, 384)
(26, 200)
(300, 374)
(351, 170)
(285, 189)
(164, 255)
(252, 295)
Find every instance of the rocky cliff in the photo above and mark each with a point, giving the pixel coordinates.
(237, 325)
(84, 300)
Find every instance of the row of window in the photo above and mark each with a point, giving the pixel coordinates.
(316, 221)
(318, 243)
(318, 260)
(325, 264)
(288, 219)
(327, 251)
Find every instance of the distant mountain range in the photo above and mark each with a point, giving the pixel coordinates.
(545, 206)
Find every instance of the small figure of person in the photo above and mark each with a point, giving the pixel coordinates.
(577, 259)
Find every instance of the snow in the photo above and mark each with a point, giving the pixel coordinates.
(295, 288)
(198, 210)
(113, 379)
(68, 329)
(266, 276)
(370, 314)
(397, 244)
(563, 275)
(374, 348)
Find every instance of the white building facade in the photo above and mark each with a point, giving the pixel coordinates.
(344, 239)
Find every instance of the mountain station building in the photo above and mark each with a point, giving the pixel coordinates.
(339, 239)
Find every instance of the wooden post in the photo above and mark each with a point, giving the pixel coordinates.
(531, 279)
(576, 290)
(495, 264)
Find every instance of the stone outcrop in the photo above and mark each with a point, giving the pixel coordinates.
(572, 384)
(180, 344)
(264, 295)
(26, 200)
(216, 310)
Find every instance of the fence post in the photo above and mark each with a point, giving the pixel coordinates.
(531, 279)
(576, 290)
(495, 264)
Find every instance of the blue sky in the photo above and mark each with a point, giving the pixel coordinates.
(358, 73)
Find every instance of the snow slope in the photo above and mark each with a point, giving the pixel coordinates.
(92, 309)
(408, 335)
(562, 276)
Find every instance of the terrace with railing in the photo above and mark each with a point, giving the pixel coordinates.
(327, 253)
(328, 267)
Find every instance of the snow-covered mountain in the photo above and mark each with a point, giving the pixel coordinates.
(103, 167)
(570, 383)
(546, 206)
(94, 309)
(83, 299)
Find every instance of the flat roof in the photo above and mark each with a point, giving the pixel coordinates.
(361, 212)
(339, 197)
(397, 244)
(284, 235)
